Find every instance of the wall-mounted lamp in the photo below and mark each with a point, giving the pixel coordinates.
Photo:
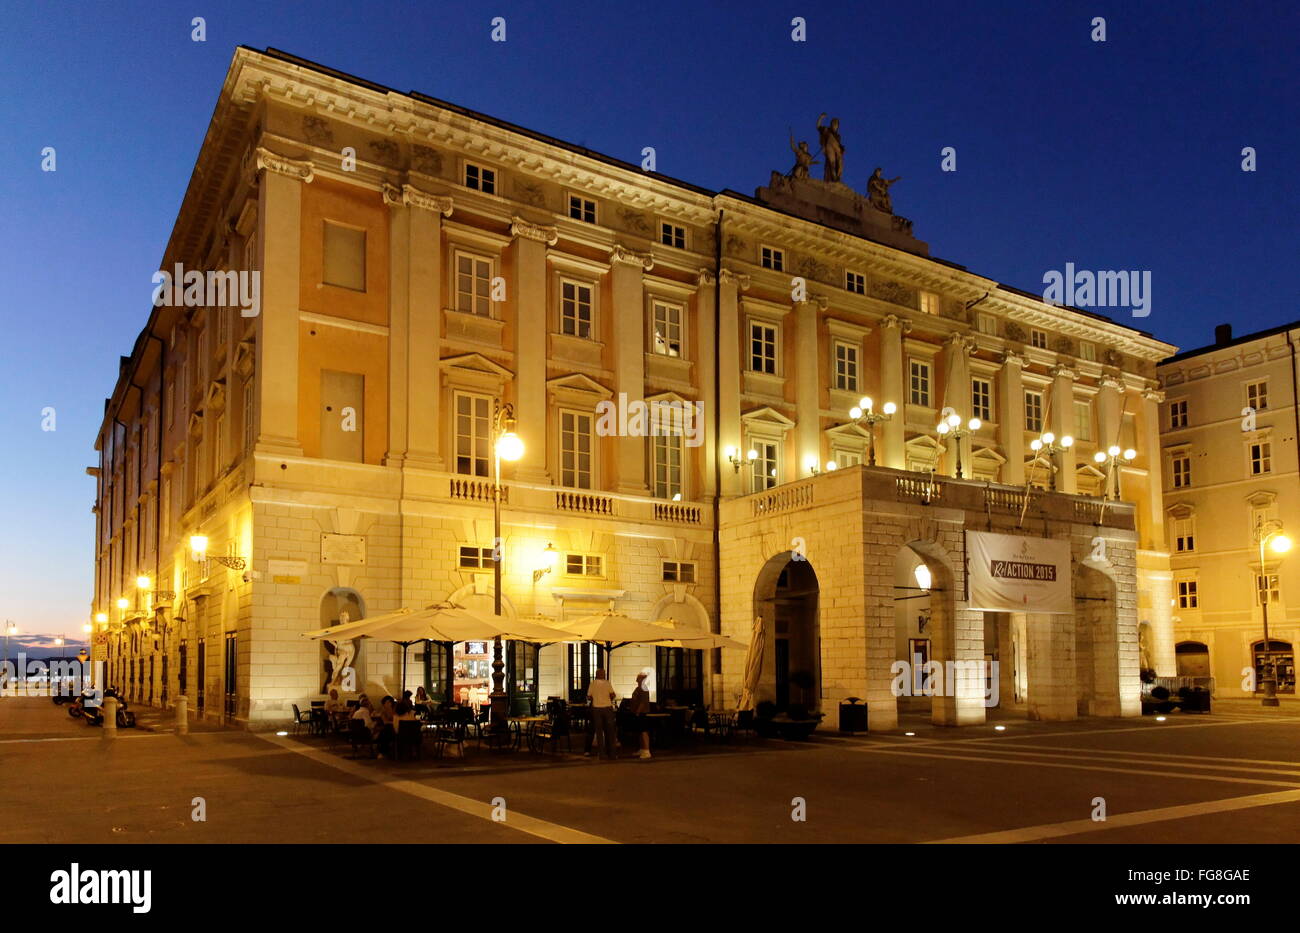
(550, 557)
(199, 551)
(101, 618)
(124, 604)
(923, 577)
(812, 464)
(143, 583)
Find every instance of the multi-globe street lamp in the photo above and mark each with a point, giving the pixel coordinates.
(1269, 533)
(1114, 459)
(952, 426)
(865, 415)
(1047, 444)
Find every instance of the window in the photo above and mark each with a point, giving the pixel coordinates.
(771, 258)
(575, 309)
(929, 303)
(762, 348)
(846, 366)
(249, 435)
(583, 565)
(855, 282)
(344, 257)
(1178, 413)
(575, 450)
(667, 329)
(165, 495)
(1187, 598)
(1184, 534)
(1087, 351)
(473, 434)
(1038, 338)
(250, 252)
(169, 402)
(919, 393)
(582, 209)
(981, 399)
(667, 456)
(986, 324)
(845, 458)
(679, 571)
(1034, 412)
(672, 235)
(1267, 588)
(480, 178)
(1261, 457)
(473, 284)
(765, 466)
(476, 558)
(1181, 467)
(1082, 420)
(1257, 395)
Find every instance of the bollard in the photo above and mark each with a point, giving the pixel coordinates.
(182, 715)
(110, 717)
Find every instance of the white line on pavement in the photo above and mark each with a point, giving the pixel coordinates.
(515, 820)
(1117, 821)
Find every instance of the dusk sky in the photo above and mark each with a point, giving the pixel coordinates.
(1124, 154)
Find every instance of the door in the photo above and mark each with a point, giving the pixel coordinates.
(231, 671)
(183, 667)
(201, 672)
(521, 677)
(342, 400)
(582, 668)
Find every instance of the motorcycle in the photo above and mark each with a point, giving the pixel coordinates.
(89, 707)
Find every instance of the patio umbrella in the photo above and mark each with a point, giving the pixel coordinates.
(615, 629)
(703, 641)
(753, 667)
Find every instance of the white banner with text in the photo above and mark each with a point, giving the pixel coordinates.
(1013, 573)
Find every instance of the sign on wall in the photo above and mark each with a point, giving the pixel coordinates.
(1013, 573)
(342, 549)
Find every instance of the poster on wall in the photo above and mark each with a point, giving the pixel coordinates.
(1014, 573)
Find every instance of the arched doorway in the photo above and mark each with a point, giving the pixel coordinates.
(1278, 656)
(1096, 643)
(786, 594)
(341, 661)
(1193, 659)
(914, 676)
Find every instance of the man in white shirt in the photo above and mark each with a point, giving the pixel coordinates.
(600, 692)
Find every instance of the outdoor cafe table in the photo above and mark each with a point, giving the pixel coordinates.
(518, 723)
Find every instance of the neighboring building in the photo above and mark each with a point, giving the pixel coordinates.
(1229, 432)
(421, 263)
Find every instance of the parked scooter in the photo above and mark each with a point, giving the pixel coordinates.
(89, 707)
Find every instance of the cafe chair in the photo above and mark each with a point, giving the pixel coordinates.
(300, 719)
(360, 736)
(409, 740)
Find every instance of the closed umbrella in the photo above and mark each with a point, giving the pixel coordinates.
(753, 667)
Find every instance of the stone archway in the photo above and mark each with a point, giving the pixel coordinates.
(786, 595)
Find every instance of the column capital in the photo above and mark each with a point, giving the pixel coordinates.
(705, 277)
(530, 231)
(960, 343)
(1061, 371)
(1153, 394)
(265, 159)
(821, 301)
(739, 278)
(890, 321)
(1012, 358)
(410, 196)
(620, 253)
(1110, 382)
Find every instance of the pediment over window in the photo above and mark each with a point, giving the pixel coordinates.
(577, 390)
(1261, 500)
(1180, 510)
(1088, 471)
(215, 397)
(474, 370)
(195, 424)
(245, 355)
(766, 420)
(989, 456)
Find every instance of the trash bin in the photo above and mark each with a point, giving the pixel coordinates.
(853, 715)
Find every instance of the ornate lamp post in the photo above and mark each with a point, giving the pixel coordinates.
(864, 415)
(1114, 459)
(1279, 543)
(1047, 443)
(952, 426)
(10, 629)
(506, 445)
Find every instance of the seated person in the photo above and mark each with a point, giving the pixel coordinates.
(362, 712)
(333, 704)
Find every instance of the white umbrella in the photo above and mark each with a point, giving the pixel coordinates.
(753, 667)
(687, 637)
(616, 629)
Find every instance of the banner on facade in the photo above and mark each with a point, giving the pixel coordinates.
(1013, 573)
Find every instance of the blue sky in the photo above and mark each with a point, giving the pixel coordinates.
(1116, 155)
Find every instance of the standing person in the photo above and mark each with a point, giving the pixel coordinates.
(602, 696)
(639, 707)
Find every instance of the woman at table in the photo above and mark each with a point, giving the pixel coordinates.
(421, 699)
(387, 731)
(639, 707)
(333, 704)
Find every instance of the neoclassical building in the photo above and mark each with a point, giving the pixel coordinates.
(1228, 432)
(421, 266)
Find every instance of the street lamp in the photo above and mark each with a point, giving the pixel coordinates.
(506, 446)
(863, 414)
(952, 425)
(1114, 458)
(58, 640)
(10, 629)
(1279, 544)
(1047, 443)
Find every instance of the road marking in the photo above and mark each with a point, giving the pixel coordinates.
(1105, 751)
(515, 820)
(1138, 818)
(1135, 758)
(1081, 767)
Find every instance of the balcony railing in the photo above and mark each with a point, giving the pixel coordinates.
(584, 502)
(677, 512)
(476, 490)
(783, 499)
